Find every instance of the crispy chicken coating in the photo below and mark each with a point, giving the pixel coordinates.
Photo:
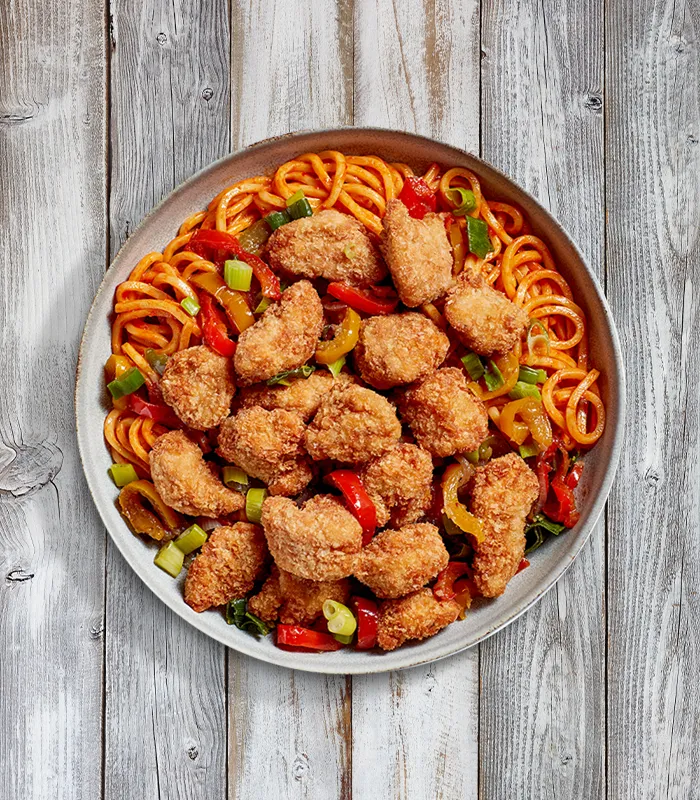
(285, 336)
(352, 424)
(227, 566)
(418, 254)
(484, 318)
(198, 384)
(303, 395)
(296, 601)
(443, 414)
(395, 563)
(328, 245)
(267, 445)
(399, 348)
(319, 541)
(186, 482)
(502, 495)
(400, 482)
(416, 616)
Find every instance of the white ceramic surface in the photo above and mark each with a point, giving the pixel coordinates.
(547, 564)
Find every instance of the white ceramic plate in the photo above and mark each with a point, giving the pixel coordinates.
(548, 564)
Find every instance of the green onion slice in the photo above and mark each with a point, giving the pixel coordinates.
(254, 500)
(238, 275)
(298, 195)
(478, 235)
(236, 613)
(493, 378)
(129, 382)
(522, 389)
(191, 306)
(283, 377)
(530, 375)
(234, 477)
(191, 539)
(262, 305)
(253, 238)
(340, 618)
(276, 219)
(464, 200)
(302, 208)
(474, 366)
(156, 360)
(528, 450)
(343, 639)
(123, 474)
(336, 366)
(170, 558)
(472, 456)
(485, 451)
(535, 339)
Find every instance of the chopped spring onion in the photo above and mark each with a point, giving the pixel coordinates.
(336, 366)
(129, 382)
(233, 477)
(254, 237)
(170, 558)
(262, 305)
(123, 474)
(472, 456)
(478, 235)
(188, 541)
(493, 378)
(530, 375)
(528, 450)
(340, 618)
(296, 197)
(238, 275)
(474, 366)
(237, 614)
(283, 377)
(276, 219)
(156, 360)
(350, 251)
(535, 339)
(343, 639)
(463, 199)
(191, 306)
(254, 500)
(302, 208)
(485, 450)
(536, 531)
(522, 389)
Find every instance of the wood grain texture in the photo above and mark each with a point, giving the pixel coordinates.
(52, 250)
(543, 683)
(290, 731)
(165, 716)
(421, 725)
(653, 201)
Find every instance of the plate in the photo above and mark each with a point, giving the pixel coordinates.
(548, 564)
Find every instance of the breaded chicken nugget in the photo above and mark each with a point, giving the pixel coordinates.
(328, 245)
(395, 563)
(319, 541)
(418, 254)
(502, 495)
(285, 337)
(416, 616)
(401, 480)
(352, 424)
(303, 395)
(186, 482)
(267, 445)
(198, 384)
(485, 319)
(227, 566)
(444, 415)
(296, 601)
(399, 348)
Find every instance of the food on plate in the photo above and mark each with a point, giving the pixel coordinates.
(349, 400)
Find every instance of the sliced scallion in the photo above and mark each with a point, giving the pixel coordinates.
(170, 558)
(284, 377)
(336, 366)
(464, 200)
(534, 339)
(474, 365)
(478, 235)
(238, 275)
(156, 360)
(522, 389)
(298, 195)
(262, 305)
(129, 382)
(190, 305)
(254, 500)
(472, 456)
(123, 474)
(493, 378)
(343, 639)
(254, 237)
(340, 618)
(302, 208)
(234, 477)
(188, 541)
(276, 219)
(530, 375)
(528, 450)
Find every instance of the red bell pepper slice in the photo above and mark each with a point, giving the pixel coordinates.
(563, 508)
(367, 615)
(574, 475)
(229, 245)
(418, 197)
(297, 636)
(214, 329)
(357, 500)
(524, 564)
(444, 588)
(361, 300)
(154, 411)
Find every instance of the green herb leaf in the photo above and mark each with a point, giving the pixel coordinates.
(537, 530)
(474, 365)
(493, 378)
(236, 613)
(283, 377)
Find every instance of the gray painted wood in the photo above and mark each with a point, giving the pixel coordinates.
(543, 684)
(52, 250)
(653, 202)
(165, 714)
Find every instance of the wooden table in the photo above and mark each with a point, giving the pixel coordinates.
(104, 108)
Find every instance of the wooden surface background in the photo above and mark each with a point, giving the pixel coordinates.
(592, 105)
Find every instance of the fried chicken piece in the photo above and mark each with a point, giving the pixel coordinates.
(198, 384)
(416, 616)
(443, 414)
(400, 484)
(227, 566)
(395, 563)
(285, 336)
(503, 492)
(186, 482)
(484, 318)
(399, 348)
(329, 245)
(303, 395)
(267, 445)
(319, 541)
(296, 601)
(352, 424)
(418, 254)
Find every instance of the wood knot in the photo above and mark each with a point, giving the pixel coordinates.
(207, 94)
(652, 477)
(96, 631)
(18, 576)
(300, 766)
(593, 102)
(26, 468)
(162, 38)
(192, 752)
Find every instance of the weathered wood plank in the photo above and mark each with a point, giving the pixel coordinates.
(52, 250)
(165, 721)
(543, 716)
(289, 731)
(417, 68)
(653, 201)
